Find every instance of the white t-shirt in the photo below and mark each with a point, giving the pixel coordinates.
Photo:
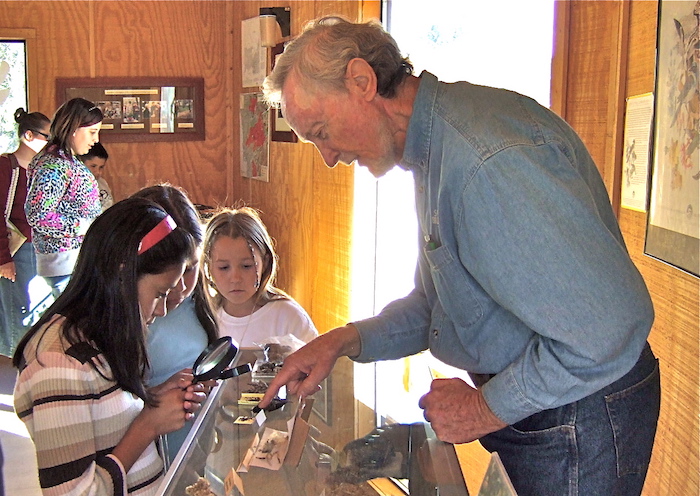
(277, 318)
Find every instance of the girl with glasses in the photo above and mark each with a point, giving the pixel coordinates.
(17, 269)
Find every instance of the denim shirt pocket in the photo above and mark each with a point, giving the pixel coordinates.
(454, 288)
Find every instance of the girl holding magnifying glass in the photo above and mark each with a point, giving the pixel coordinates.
(81, 389)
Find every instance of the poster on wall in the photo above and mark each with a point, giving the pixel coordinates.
(635, 158)
(254, 55)
(255, 146)
(673, 226)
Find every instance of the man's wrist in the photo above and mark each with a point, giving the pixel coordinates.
(487, 414)
(349, 341)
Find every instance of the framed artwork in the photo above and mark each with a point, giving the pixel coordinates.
(255, 146)
(253, 54)
(142, 108)
(673, 223)
(279, 129)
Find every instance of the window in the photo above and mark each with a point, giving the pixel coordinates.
(505, 44)
(13, 90)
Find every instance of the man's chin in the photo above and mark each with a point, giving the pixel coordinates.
(376, 170)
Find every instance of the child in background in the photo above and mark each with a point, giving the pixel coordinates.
(175, 340)
(239, 266)
(95, 160)
(19, 268)
(81, 390)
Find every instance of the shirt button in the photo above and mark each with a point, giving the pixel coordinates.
(435, 333)
(420, 189)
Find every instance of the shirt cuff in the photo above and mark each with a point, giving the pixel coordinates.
(506, 400)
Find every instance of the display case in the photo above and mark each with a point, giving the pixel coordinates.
(335, 445)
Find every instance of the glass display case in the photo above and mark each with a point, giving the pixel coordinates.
(338, 446)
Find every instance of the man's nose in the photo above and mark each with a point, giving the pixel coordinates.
(330, 157)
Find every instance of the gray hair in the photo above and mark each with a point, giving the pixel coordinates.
(321, 53)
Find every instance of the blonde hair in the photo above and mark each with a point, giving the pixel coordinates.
(244, 222)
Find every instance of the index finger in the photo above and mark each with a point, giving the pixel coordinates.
(283, 377)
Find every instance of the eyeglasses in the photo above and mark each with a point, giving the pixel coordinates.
(46, 136)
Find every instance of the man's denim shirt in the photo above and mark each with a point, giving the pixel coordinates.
(523, 271)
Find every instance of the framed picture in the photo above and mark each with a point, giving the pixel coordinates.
(279, 129)
(255, 146)
(142, 108)
(673, 223)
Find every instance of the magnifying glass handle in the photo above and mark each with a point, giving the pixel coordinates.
(235, 372)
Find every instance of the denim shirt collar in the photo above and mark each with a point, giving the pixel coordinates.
(417, 147)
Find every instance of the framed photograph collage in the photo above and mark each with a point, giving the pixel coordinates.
(142, 108)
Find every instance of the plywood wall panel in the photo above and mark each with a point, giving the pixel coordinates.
(145, 38)
(642, 56)
(588, 74)
(62, 42)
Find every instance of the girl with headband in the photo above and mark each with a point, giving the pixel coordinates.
(81, 387)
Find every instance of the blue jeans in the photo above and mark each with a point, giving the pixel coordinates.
(14, 300)
(597, 446)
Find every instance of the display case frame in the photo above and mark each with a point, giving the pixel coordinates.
(416, 461)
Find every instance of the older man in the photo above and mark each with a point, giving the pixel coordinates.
(524, 280)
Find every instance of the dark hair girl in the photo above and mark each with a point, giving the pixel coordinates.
(81, 388)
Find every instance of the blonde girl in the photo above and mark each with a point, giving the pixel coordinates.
(239, 265)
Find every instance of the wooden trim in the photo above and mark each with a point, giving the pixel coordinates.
(560, 57)
(614, 132)
(91, 39)
(231, 49)
(371, 9)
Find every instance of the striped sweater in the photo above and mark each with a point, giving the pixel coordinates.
(76, 417)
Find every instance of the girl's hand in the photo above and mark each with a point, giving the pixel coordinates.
(179, 380)
(195, 394)
(170, 414)
(8, 271)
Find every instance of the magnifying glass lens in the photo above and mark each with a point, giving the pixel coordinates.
(212, 359)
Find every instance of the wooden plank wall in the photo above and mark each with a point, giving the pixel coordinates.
(88, 39)
(611, 56)
(605, 53)
(306, 206)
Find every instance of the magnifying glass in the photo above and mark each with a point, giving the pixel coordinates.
(214, 361)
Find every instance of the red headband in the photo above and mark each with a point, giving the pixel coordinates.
(156, 235)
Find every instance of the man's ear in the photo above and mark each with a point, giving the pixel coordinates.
(361, 79)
